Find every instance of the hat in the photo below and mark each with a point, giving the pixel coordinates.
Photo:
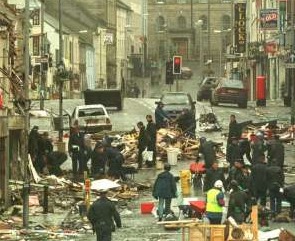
(35, 127)
(218, 184)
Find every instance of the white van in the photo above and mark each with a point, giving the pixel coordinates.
(91, 118)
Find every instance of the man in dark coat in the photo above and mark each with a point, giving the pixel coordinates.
(151, 131)
(33, 146)
(258, 181)
(143, 141)
(239, 205)
(208, 151)
(98, 160)
(212, 175)
(76, 150)
(258, 148)
(276, 152)
(161, 116)
(102, 214)
(275, 180)
(245, 149)
(234, 129)
(238, 173)
(187, 123)
(233, 152)
(165, 189)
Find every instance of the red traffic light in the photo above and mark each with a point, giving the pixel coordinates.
(176, 60)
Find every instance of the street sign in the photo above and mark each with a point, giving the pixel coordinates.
(290, 65)
(41, 60)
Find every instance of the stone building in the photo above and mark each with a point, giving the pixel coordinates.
(194, 29)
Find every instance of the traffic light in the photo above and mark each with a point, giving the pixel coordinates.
(169, 73)
(177, 62)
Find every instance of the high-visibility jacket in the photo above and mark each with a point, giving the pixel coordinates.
(212, 204)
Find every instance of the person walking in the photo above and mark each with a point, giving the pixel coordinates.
(239, 205)
(164, 189)
(208, 151)
(151, 131)
(76, 150)
(234, 129)
(161, 116)
(258, 181)
(215, 203)
(143, 140)
(275, 179)
(258, 148)
(102, 214)
(276, 152)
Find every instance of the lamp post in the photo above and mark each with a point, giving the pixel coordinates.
(200, 25)
(26, 186)
(61, 69)
(221, 32)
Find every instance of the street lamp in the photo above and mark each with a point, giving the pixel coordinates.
(221, 47)
(200, 25)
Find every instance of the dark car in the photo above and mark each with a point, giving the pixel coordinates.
(230, 91)
(206, 87)
(175, 102)
(186, 73)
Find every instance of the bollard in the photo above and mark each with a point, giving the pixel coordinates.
(45, 200)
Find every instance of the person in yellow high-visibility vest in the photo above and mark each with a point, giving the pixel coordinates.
(215, 202)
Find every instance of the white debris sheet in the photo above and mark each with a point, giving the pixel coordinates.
(265, 236)
(104, 184)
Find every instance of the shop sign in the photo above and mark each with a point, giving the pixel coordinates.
(269, 19)
(240, 27)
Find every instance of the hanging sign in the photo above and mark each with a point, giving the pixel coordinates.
(269, 19)
(240, 27)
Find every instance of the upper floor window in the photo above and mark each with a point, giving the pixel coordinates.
(205, 22)
(226, 22)
(161, 1)
(36, 17)
(203, 1)
(181, 1)
(181, 22)
(161, 23)
(36, 45)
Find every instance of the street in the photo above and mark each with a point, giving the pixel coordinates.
(137, 226)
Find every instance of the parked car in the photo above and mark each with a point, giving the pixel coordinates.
(206, 87)
(230, 91)
(186, 73)
(175, 102)
(92, 118)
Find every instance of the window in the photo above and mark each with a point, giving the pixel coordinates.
(181, 1)
(203, 1)
(226, 23)
(161, 1)
(36, 17)
(161, 23)
(181, 22)
(205, 22)
(36, 45)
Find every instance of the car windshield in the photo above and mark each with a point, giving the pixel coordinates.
(233, 84)
(175, 99)
(91, 112)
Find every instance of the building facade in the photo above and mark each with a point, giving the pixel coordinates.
(189, 28)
